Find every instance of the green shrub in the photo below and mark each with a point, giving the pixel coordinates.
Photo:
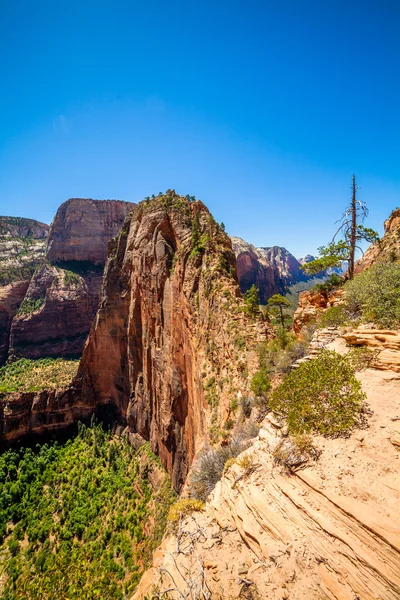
(322, 395)
(335, 316)
(71, 278)
(331, 283)
(29, 306)
(251, 301)
(182, 508)
(374, 294)
(260, 383)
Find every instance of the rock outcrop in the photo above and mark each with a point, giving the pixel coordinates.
(385, 342)
(11, 297)
(330, 530)
(171, 346)
(82, 229)
(62, 298)
(312, 304)
(171, 349)
(271, 270)
(388, 249)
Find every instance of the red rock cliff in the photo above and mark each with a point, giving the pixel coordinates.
(63, 295)
(166, 347)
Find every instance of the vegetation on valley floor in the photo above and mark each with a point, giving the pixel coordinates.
(79, 520)
(26, 375)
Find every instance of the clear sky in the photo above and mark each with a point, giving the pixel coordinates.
(262, 109)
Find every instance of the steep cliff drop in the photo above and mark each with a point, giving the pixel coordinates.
(172, 347)
(164, 347)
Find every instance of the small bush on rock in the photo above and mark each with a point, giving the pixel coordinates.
(182, 508)
(322, 395)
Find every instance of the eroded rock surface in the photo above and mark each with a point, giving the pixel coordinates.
(312, 304)
(330, 530)
(271, 270)
(62, 298)
(171, 346)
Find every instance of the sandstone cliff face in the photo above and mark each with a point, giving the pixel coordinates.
(63, 295)
(328, 531)
(82, 229)
(312, 304)
(166, 347)
(271, 270)
(389, 248)
(11, 296)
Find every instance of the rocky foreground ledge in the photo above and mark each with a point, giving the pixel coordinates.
(328, 531)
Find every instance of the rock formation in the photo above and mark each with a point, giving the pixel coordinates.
(328, 530)
(312, 304)
(62, 298)
(82, 229)
(271, 270)
(164, 347)
(385, 343)
(22, 247)
(171, 346)
(388, 250)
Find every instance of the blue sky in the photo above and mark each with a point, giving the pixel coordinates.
(261, 109)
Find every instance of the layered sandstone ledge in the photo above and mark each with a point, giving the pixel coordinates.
(328, 531)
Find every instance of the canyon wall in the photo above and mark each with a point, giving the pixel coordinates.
(271, 270)
(61, 300)
(171, 346)
(171, 350)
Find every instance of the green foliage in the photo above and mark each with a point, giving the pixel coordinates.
(199, 240)
(182, 508)
(374, 294)
(251, 301)
(335, 316)
(278, 355)
(25, 375)
(332, 255)
(276, 305)
(331, 283)
(361, 357)
(29, 306)
(78, 520)
(260, 383)
(71, 278)
(321, 395)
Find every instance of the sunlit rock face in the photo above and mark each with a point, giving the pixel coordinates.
(271, 270)
(63, 294)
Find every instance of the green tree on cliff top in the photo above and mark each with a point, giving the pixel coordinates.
(337, 252)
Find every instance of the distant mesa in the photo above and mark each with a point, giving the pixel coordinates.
(53, 277)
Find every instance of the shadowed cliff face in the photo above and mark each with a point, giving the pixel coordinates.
(62, 298)
(162, 347)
